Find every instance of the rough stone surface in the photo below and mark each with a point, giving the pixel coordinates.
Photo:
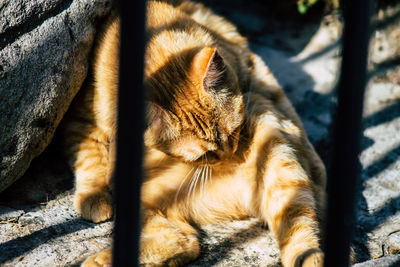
(389, 261)
(41, 229)
(237, 243)
(49, 235)
(44, 47)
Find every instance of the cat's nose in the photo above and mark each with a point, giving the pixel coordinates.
(229, 147)
(215, 156)
(222, 151)
(212, 156)
(225, 151)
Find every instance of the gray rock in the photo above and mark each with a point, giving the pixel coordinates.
(385, 46)
(238, 243)
(44, 48)
(9, 214)
(50, 235)
(392, 243)
(389, 261)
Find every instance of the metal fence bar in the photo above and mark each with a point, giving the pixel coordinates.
(128, 170)
(344, 170)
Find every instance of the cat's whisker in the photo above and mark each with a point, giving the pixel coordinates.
(193, 182)
(207, 174)
(193, 178)
(201, 180)
(203, 173)
(190, 186)
(210, 173)
(198, 180)
(182, 183)
(205, 177)
(201, 177)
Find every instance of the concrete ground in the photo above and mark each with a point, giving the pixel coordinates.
(40, 228)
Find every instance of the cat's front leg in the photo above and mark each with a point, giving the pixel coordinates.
(163, 242)
(90, 156)
(289, 205)
(101, 259)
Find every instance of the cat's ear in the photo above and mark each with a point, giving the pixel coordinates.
(209, 68)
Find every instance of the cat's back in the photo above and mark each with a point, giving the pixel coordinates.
(183, 15)
(161, 13)
(172, 34)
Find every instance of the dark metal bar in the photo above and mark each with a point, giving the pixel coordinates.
(128, 170)
(344, 171)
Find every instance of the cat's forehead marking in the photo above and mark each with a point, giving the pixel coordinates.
(159, 52)
(201, 123)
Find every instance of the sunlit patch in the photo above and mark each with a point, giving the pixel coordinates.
(196, 180)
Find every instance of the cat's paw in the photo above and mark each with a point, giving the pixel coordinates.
(95, 207)
(101, 259)
(315, 259)
(169, 251)
(167, 247)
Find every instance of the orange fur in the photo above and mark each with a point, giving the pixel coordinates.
(222, 142)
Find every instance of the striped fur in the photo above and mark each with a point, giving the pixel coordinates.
(222, 142)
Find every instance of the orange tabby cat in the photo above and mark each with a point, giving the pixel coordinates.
(222, 142)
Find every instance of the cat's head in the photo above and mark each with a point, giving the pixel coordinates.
(195, 107)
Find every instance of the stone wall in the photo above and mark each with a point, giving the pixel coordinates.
(44, 48)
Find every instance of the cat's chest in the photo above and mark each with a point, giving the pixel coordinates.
(228, 194)
(208, 193)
